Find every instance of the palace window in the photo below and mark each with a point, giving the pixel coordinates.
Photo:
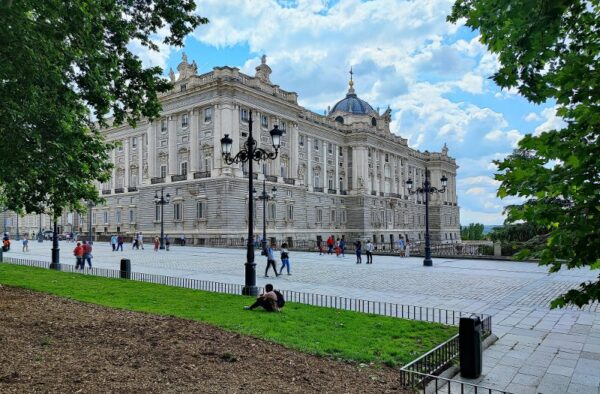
(316, 179)
(282, 126)
(178, 211)
(319, 215)
(272, 211)
(163, 126)
(333, 216)
(329, 148)
(290, 212)
(163, 171)
(244, 115)
(183, 168)
(118, 216)
(301, 140)
(207, 115)
(106, 216)
(185, 120)
(131, 216)
(183, 87)
(316, 144)
(264, 121)
(134, 142)
(200, 210)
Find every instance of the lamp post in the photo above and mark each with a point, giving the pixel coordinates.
(40, 236)
(427, 189)
(162, 201)
(18, 237)
(249, 153)
(90, 206)
(264, 197)
(55, 250)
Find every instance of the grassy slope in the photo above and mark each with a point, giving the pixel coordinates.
(322, 331)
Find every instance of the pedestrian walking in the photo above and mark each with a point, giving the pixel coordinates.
(120, 243)
(270, 261)
(330, 243)
(140, 241)
(369, 250)
(25, 244)
(156, 243)
(182, 239)
(407, 249)
(338, 249)
(78, 253)
(285, 259)
(167, 242)
(358, 249)
(401, 246)
(343, 246)
(320, 246)
(113, 242)
(87, 254)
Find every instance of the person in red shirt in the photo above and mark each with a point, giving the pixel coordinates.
(78, 253)
(87, 254)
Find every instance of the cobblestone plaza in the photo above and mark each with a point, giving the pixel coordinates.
(539, 350)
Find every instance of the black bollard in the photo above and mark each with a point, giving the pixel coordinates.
(125, 269)
(470, 351)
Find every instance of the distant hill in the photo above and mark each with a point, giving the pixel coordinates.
(488, 227)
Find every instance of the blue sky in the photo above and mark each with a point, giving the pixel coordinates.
(433, 74)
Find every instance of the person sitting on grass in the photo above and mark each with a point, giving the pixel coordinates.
(271, 300)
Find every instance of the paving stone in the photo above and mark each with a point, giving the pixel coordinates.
(575, 388)
(561, 370)
(586, 379)
(527, 380)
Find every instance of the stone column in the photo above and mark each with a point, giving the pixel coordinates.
(172, 130)
(195, 116)
(151, 160)
(336, 181)
(113, 180)
(293, 169)
(140, 149)
(309, 170)
(126, 176)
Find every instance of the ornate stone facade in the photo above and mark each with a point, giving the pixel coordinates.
(343, 173)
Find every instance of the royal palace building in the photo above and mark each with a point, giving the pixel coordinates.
(341, 173)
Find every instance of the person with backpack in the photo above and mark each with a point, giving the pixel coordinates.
(358, 249)
(369, 250)
(271, 300)
(285, 259)
(78, 253)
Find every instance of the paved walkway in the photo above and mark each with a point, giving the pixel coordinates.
(539, 350)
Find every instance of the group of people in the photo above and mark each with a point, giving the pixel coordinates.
(284, 255)
(83, 253)
(337, 246)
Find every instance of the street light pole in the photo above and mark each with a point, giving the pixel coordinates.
(265, 197)
(162, 201)
(55, 250)
(250, 153)
(90, 206)
(427, 189)
(40, 236)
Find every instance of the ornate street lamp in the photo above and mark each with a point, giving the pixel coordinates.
(249, 153)
(264, 196)
(40, 236)
(55, 250)
(162, 201)
(427, 189)
(90, 206)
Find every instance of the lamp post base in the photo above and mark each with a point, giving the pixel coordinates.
(427, 262)
(250, 288)
(250, 291)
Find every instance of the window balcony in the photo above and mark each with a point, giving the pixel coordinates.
(331, 191)
(289, 181)
(119, 190)
(156, 180)
(201, 174)
(178, 178)
(318, 189)
(271, 178)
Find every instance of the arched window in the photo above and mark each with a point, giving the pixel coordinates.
(339, 119)
(373, 122)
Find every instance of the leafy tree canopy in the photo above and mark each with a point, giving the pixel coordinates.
(549, 50)
(62, 62)
(472, 232)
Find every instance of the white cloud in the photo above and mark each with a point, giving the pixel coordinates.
(551, 121)
(512, 136)
(532, 117)
(469, 216)
(476, 190)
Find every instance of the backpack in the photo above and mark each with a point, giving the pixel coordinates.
(280, 300)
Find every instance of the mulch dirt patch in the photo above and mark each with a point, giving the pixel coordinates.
(53, 344)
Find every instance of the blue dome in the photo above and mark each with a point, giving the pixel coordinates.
(352, 104)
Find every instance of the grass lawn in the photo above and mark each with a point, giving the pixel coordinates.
(322, 331)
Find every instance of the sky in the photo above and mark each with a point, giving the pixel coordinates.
(434, 75)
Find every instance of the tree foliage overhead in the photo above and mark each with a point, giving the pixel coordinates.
(549, 51)
(62, 62)
(472, 232)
